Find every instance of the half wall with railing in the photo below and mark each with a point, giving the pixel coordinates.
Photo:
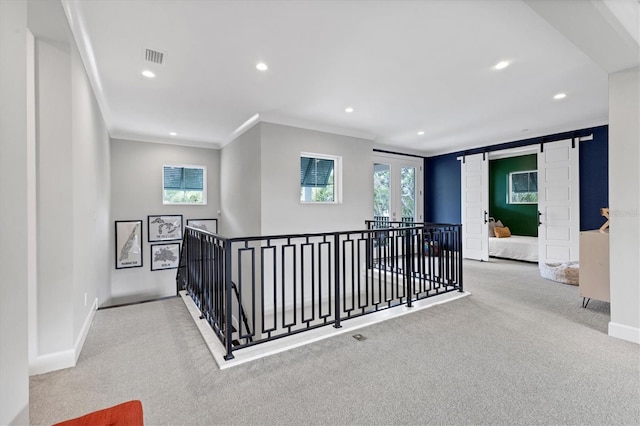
(256, 289)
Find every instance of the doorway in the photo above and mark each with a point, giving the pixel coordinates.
(558, 200)
(397, 188)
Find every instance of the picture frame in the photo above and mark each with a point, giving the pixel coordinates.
(165, 256)
(209, 225)
(128, 239)
(164, 227)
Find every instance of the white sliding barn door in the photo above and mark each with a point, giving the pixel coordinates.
(475, 206)
(558, 202)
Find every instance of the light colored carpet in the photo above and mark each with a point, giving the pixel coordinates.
(519, 350)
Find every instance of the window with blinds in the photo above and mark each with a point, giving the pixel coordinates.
(319, 178)
(184, 184)
(523, 187)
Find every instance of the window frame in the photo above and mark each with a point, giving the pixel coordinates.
(337, 177)
(204, 184)
(510, 187)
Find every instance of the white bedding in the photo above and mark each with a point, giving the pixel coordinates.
(515, 247)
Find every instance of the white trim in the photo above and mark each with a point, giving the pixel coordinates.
(142, 138)
(396, 162)
(67, 358)
(624, 332)
(32, 200)
(303, 124)
(514, 152)
(510, 184)
(262, 350)
(243, 128)
(204, 184)
(337, 177)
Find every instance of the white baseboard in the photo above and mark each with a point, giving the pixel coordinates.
(67, 358)
(285, 343)
(624, 332)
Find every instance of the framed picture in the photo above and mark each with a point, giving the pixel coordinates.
(128, 244)
(165, 256)
(165, 228)
(209, 225)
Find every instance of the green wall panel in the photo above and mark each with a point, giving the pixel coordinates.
(522, 219)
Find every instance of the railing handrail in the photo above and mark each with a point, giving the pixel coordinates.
(416, 225)
(313, 234)
(340, 274)
(420, 223)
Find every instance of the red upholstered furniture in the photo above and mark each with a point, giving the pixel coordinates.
(125, 414)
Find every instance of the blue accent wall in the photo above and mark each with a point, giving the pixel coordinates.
(442, 189)
(594, 179)
(442, 177)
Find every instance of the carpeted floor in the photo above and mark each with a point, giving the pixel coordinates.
(519, 350)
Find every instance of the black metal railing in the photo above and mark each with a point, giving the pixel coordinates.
(288, 284)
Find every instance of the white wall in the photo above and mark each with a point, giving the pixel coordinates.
(136, 192)
(72, 195)
(14, 370)
(260, 178)
(91, 190)
(624, 199)
(54, 197)
(282, 211)
(240, 176)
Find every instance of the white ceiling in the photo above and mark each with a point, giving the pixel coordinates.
(404, 66)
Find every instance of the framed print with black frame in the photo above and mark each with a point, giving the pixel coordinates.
(165, 256)
(165, 227)
(209, 225)
(128, 244)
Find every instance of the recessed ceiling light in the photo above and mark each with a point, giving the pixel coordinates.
(501, 65)
(348, 109)
(148, 74)
(261, 66)
(173, 133)
(560, 96)
(420, 133)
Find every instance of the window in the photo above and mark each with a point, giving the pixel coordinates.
(523, 187)
(184, 184)
(319, 178)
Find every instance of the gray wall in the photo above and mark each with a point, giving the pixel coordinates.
(55, 198)
(240, 176)
(260, 190)
(72, 195)
(282, 211)
(91, 188)
(14, 370)
(136, 192)
(624, 203)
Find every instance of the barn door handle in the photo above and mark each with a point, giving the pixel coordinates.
(539, 214)
(485, 217)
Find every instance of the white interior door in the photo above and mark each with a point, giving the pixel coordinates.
(397, 186)
(558, 202)
(475, 207)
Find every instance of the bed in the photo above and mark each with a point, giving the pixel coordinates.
(514, 247)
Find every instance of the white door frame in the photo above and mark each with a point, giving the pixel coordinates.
(395, 163)
(559, 201)
(475, 206)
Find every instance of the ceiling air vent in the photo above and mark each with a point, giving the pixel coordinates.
(153, 56)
